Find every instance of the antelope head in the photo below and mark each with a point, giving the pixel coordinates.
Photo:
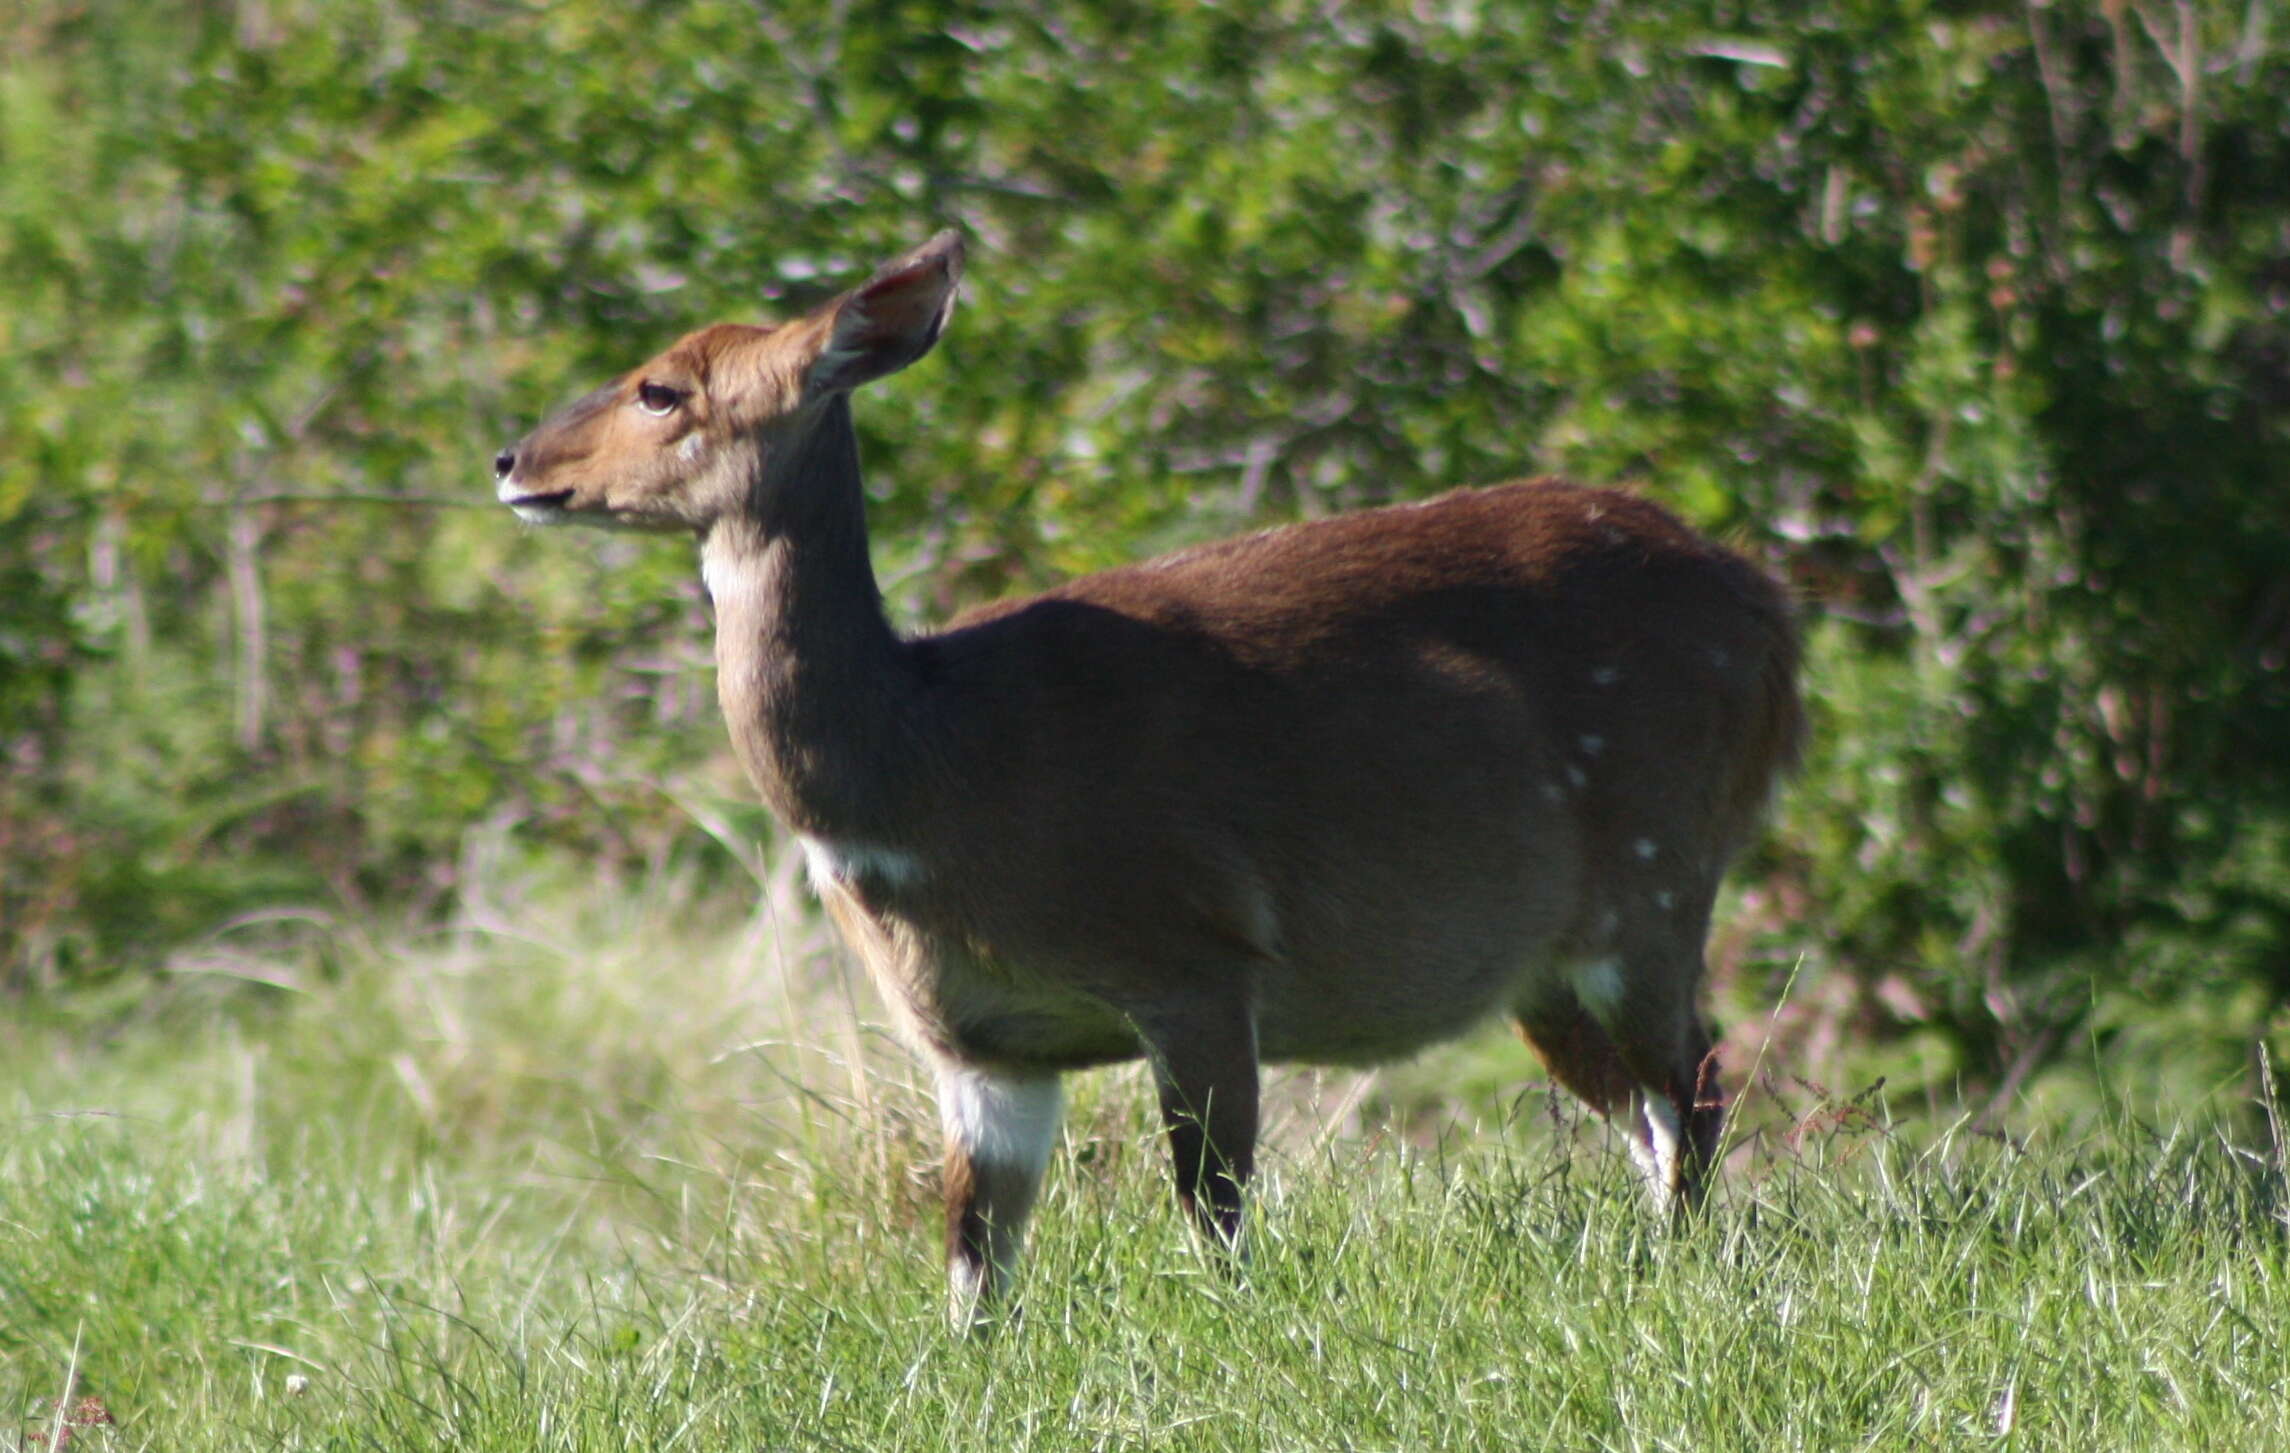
(685, 438)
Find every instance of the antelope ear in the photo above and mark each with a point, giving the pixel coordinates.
(892, 318)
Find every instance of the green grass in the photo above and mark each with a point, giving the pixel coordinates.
(606, 1171)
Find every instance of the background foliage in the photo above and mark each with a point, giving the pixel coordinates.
(1974, 318)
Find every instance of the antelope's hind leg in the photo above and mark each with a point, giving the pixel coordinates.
(1575, 1049)
(1000, 1126)
(1642, 1059)
(1658, 1031)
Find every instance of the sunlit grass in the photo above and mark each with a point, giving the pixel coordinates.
(627, 1170)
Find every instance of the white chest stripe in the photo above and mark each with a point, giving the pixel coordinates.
(830, 861)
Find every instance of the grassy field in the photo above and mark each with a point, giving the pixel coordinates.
(605, 1170)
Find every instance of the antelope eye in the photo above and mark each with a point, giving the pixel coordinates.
(657, 398)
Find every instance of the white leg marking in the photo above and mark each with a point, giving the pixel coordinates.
(1641, 1152)
(966, 1306)
(1005, 1125)
(1005, 1121)
(1662, 1136)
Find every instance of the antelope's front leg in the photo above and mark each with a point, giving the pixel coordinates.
(1000, 1125)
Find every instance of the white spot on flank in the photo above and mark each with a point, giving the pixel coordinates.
(1645, 849)
(1005, 1121)
(1598, 984)
(1591, 746)
(1576, 776)
(1665, 899)
(1719, 658)
(1605, 676)
(845, 862)
(1552, 792)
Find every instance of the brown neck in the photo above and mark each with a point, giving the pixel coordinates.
(819, 692)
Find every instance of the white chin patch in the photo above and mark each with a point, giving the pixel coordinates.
(534, 507)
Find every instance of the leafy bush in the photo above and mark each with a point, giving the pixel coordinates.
(1971, 316)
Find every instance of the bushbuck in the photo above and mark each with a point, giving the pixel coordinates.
(1329, 793)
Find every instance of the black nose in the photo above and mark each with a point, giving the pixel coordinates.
(504, 462)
